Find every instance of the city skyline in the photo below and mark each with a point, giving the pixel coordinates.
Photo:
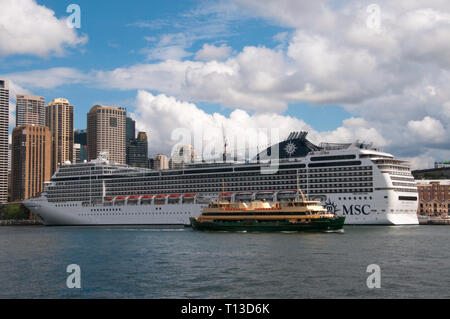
(246, 63)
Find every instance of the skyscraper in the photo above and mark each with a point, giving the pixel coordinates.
(30, 110)
(160, 162)
(137, 151)
(80, 137)
(131, 128)
(31, 160)
(59, 119)
(76, 153)
(106, 133)
(4, 126)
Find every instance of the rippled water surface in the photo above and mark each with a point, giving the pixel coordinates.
(150, 263)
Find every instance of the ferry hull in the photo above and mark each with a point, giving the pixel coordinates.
(322, 224)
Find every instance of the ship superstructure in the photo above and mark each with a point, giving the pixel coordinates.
(352, 180)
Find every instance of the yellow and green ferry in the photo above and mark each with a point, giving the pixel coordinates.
(293, 215)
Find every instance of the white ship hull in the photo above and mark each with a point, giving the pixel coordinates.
(361, 210)
(357, 212)
(74, 214)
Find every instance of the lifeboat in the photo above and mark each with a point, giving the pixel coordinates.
(133, 197)
(147, 196)
(160, 196)
(174, 195)
(189, 195)
(120, 197)
(226, 194)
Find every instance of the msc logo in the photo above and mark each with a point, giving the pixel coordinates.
(356, 209)
(331, 207)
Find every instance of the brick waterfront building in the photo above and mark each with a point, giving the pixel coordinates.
(434, 197)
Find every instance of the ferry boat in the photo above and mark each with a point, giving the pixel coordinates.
(354, 180)
(292, 215)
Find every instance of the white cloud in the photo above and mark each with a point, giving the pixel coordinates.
(421, 161)
(14, 89)
(29, 28)
(170, 46)
(292, 13)
(171, 52)
(355, 129)
(428, 129)
(162, 115)
(212, 52)
(395, 82)
(48, 78)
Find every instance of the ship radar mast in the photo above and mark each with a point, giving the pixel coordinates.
(225, 144)
(102, 157)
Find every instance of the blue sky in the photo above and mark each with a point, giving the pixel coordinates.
(342, 70)
(117, 34)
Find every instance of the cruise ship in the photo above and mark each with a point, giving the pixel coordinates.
(367, 186)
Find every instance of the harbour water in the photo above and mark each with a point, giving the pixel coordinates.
(155, 263)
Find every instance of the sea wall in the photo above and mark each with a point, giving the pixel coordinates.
(22, 222)
(434, 221)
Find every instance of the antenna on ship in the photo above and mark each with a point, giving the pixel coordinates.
(223, 191)
(224, 156)
(104, 192)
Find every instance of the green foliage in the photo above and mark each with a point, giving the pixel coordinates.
(13, 212)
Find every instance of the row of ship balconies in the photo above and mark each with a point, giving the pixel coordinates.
(210, 183)
(228, 179)
(97, 195)
(74, 172)
(316, 188)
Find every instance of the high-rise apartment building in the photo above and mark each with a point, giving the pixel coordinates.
(80, 137)
(4, 143)
(76, 153)
(59, 119)
(137, 151)
(160, 162)
(106, 133)
(30, 110)
(131, 129)
(31, 160)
